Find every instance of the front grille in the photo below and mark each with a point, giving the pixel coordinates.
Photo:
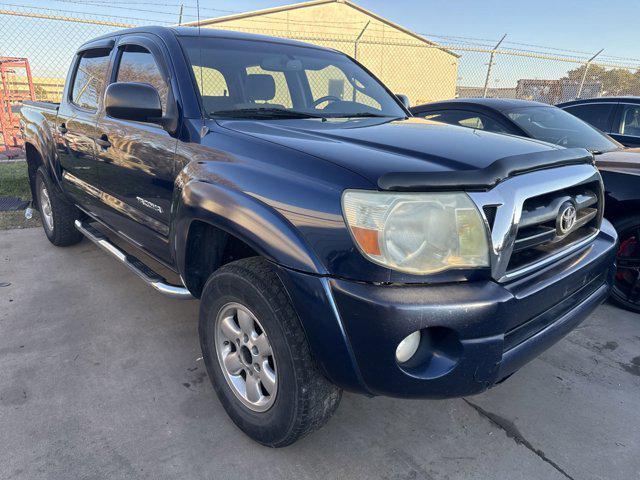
(554, 221)
(522, 213)
(490, 214)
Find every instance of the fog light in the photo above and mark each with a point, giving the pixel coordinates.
(408, 347)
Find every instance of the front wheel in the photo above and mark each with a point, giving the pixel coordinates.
(258, 358)
(626, 286)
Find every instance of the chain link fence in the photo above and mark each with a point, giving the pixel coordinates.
(443, 67)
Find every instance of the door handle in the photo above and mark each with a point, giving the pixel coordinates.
(103, 141)
(62, 128)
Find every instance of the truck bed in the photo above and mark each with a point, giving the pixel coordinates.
(42, 105)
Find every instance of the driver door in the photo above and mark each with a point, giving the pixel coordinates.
(137, 160)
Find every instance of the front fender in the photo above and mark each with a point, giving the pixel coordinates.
(246, 218)
(272, 236)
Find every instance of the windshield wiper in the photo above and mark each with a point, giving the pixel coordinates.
(264, 113)
(359, 115)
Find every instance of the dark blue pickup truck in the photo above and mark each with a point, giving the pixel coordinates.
(335, 242)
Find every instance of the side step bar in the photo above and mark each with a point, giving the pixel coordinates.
(143, 271)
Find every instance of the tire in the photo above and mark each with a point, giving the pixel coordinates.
(57, 214)
(249, 293)
(626, 286)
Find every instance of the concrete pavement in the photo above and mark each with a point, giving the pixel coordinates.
(101, 377)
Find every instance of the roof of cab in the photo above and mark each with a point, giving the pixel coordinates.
(205, 33)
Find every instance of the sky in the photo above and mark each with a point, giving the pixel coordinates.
(587, 25)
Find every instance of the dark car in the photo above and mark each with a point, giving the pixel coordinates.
(620, 166)
(617, 116)
(335, 241)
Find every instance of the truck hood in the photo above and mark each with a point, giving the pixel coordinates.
(626, 160)
(413, 153)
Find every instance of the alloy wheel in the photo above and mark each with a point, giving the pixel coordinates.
(246, 357)
(45, 207)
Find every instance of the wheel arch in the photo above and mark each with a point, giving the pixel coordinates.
(622, 198)
(240, 226)
(623, 209)
(215, 225)
(39, 139)
(34, 162)
(208, 248)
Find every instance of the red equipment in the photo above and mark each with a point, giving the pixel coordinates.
(13, 91)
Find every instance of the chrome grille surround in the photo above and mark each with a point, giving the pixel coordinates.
(506, 201)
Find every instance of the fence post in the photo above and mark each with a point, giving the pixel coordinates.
(355, 53)
(180, 14)
(355, 45)
(486, 80)
(584, 74)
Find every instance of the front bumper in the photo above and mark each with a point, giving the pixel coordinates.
(474, 334)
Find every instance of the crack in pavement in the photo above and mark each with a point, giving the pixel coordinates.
(509, 428)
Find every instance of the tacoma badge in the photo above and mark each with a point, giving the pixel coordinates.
(149, 204)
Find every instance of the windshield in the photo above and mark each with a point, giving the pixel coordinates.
(254, 79)
(554, 125)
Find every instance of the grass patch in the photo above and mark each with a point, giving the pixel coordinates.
(14, 180)
(9, 220)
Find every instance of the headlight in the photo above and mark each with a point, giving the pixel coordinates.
(418, 233)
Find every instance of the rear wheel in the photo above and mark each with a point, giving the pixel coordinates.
(58, 215)
(626, 287)
(258, 358)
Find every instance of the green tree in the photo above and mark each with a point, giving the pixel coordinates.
(614, 81)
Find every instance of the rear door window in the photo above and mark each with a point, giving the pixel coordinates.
(89, 78)
(596, 114)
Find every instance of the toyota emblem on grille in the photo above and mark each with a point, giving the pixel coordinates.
(566, 218)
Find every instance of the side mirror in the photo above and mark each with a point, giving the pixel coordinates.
(133, 101)
(404, 100)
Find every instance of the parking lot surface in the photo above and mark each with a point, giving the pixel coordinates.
(101, 377)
